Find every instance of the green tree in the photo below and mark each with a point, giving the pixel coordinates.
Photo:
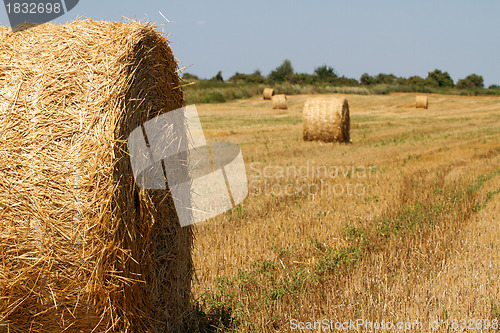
(437, 78)
(238, 77)
(302, 78)
(366, 79)
(325, 73)
(189, 77)
(345, 81)
(470, 82)
(401, 81)
(255, 77)
(385, 79)
(218, 77)
(416, 81)
(282, 72)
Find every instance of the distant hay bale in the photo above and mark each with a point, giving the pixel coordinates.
(82, 248)
(279, 102)
(268, 93)
(326, 119)
(422, 102)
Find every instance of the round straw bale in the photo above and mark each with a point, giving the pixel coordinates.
(422, 102)
(279, 102)
(326, 119)
(82, 248)
(268, 93)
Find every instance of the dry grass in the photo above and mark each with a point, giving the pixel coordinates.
(421, 242)
(81, 248)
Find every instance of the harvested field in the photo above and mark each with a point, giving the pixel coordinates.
(401, 225)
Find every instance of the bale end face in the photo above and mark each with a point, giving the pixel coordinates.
(326, 119)
(422, 102)
(279, 102)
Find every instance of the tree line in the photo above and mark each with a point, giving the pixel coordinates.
(328, 75)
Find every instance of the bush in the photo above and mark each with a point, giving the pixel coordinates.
(256, 77)
(366, 79)
(439, 79)
(218, 77)
(345, 81)
(325, 73)
(401, 81)
(302, 78)
(382, 89)
(416, 81)
(470, 82)
(282, 72)
(215, 96)
(189, 77)
(385, 79)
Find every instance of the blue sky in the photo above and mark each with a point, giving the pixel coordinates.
(354, 36)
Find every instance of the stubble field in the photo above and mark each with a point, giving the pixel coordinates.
(402, 225)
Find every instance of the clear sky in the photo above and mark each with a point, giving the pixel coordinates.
(402, 37)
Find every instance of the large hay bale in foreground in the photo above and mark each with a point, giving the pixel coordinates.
(268, 93)
(326, 119)
(82, 248)
(279, 102)
(422, 102)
